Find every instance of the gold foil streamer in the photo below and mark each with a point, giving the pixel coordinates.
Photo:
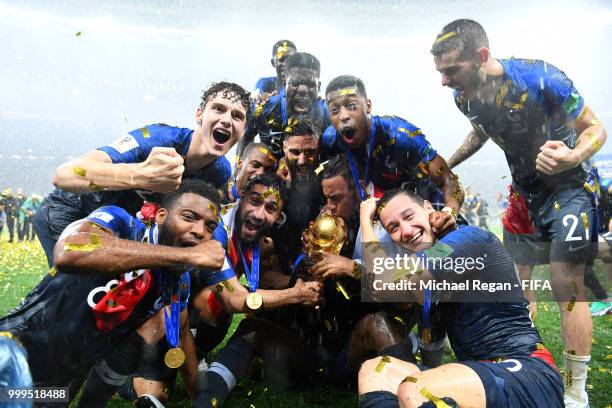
(588, 188)
(381, 364)
(258, 110)
(437, 401)
(568, 377)
(399, 319)
(94, 243)
(282, 50)
(267, 153)
(79, 171)
(585, 220)
(341, 289)
(213, 209)
(145, 132)
(93, 186)
(272, 192)
(409, 379)
(445, 37)
(571, 304)
(348, 91)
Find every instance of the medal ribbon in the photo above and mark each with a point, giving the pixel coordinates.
(172, 321)
(427, 309)
(355, 171)
(253, 273)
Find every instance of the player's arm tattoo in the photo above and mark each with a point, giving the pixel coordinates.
(441, 174)
(472, 143)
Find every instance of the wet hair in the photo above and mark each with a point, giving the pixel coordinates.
(269, 180)
(338, 166)
(280, 43)
(194, 186)
(303, 60)
(391, 194)
(303, 125)
(229, 90)
(464, 35)
(346, 81)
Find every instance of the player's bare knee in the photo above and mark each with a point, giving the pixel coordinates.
(408, 394)
(365, 377)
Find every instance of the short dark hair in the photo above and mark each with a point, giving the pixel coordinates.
(229, 90)
(464, 35)
(346, 81)
(268, 180)
(252, 146)
(338, 166)
(280, 43)
(302, 125)
(194, 186)
(391, 194)
(303, 60)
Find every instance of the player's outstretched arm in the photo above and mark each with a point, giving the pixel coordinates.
(161, 172)
(556, 157)
(441, 174)
(472, 143)
(232, 295)
(86, 248)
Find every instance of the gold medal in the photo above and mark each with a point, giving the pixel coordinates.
(174, 358)
(254, 301)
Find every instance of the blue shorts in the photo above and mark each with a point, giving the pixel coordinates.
(519, 382)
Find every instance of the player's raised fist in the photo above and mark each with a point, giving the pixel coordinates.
(163, 170)
(207, 255)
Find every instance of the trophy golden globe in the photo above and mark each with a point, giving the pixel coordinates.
(326, 235)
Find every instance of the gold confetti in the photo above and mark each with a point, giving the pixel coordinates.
(79, 171)
(446, 36)
(585, 220)
(282, 50)
(94, 243)
(52, 271)
(437, 401)
(568, 377)
(381, 364)
(341, 289)
(351, 90)
(272, 192)
(225, 284)
(327, 325)
(540, 346)
(249, 393)
(588, 188)
(267, 153)
(214, 403)
(557, 206)
(145, 132)
(409, 379)
(258, 110)
(78, 34)
(571, 304)
(320, 168)
(213, 209)
(399, 319)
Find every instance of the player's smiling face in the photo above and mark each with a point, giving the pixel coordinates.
(348, 112)
(302, 88)
(302, 152)
(459, 73)
(407, 222)
(190, 221)
(258, 211)
(259, 161)
(223, 122)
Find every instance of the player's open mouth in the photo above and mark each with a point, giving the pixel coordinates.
(251, 226)
(221, 136)
(348, 133)
(301, 104)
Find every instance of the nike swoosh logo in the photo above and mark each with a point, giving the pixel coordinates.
(572, 249)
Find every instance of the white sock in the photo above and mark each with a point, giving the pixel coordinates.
(576, 368)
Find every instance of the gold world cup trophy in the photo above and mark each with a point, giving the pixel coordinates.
(326, 235)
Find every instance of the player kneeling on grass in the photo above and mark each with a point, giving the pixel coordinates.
(502, 362)
(115, 275)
